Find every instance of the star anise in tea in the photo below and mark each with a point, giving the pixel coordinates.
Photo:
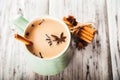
(27, 34)
(59, 39)
(49, 40)
(41, 21)
(40, 55)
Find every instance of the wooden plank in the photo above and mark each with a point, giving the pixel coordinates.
(4, 38)
(2, 5)
(113, 9)
(96, 56)
(33, 9)
(56, 8)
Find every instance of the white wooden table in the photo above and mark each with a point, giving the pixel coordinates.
(98, 61)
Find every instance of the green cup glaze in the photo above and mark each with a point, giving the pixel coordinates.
(46, 67)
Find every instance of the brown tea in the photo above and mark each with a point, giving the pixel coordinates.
(50, 37)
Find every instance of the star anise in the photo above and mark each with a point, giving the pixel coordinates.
(59, 39)
(72, 20)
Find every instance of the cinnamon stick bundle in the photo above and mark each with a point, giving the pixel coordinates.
(85, 32)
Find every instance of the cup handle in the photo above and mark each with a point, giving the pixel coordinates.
(20, 23)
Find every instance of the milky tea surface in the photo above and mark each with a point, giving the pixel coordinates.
(49, 37)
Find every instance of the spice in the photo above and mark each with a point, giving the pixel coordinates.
(59, 40)
(40, 55)
(34, 54)
(72, 20)
(27, 34)
(32, 25)
(49, 40)
(41, 21)
(79, 43)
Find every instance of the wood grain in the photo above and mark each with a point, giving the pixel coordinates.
(100, 60)
(114, 27)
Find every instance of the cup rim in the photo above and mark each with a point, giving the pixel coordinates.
(67, 29)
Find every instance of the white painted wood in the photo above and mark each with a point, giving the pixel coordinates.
(113, 16)
(56, 8)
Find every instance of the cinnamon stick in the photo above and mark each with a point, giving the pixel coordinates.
(86, 36)
(89, 29)
(85, 39)
(22, 39)
(87, 33)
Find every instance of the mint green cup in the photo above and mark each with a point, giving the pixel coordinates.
(43, 66)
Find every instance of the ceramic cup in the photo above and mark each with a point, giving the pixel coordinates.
(43, 66)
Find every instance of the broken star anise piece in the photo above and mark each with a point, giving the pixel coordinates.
(49, 40)
(59, 40)
(72, 20)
